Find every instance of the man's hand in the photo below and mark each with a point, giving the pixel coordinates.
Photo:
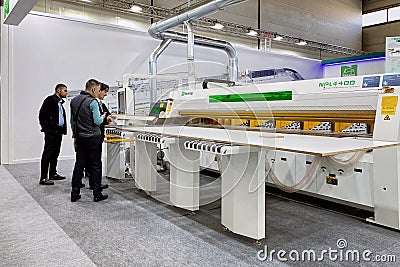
(110, 118)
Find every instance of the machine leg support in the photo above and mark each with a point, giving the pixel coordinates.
(243, 194)
(145, 166)
(387, 187)
(184, 177)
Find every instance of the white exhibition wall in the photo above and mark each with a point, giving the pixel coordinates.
(45, 50)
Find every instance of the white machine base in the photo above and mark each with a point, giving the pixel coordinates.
(145, 166)
(184, 176)
(243, 193)
(115, 161)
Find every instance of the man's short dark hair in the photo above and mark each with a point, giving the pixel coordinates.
(104, 87)
(60, 85)
(91, 84)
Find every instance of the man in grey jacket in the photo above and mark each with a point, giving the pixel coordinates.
(85, 123)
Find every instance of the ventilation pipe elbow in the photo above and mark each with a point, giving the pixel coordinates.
(159, 31)
(158, 51)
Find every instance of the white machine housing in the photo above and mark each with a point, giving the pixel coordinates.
(357, 93)
(374, 182)
(332, 94)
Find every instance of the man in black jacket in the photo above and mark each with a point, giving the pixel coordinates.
(52, 119)
(104, 88)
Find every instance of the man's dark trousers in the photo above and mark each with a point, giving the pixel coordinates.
(51, 151)
(88, 154)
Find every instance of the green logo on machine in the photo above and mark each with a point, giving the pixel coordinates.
(346, 71)
(184, 93)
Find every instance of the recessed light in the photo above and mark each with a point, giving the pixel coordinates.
(136, 8)
(87, 1)
(278, 38)
(252, 33)
(302, 43)
(217, 26)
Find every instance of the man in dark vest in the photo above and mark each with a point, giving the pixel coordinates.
(52, 119)
(104, 88)
(85, 121)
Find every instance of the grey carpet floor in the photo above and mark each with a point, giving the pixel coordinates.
(133, 229)
(29, 236)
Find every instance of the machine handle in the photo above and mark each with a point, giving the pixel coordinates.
(206, 81)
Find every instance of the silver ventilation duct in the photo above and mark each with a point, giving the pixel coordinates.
(208, 42)
(153, 67)
(158, 31)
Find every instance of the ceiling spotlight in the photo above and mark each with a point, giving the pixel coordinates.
(302, 42)
(136, 8)
(217, 26)
(252, 33)
(278, 38)
(87, 1)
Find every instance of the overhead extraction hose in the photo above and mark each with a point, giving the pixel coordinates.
(348, 162)
(290, 189)
(308, 177)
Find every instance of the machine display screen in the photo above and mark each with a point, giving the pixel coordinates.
(262, 73)
(391, 80)
(371, 81)
(121, 103)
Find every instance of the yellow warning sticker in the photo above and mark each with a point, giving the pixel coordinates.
(389, 104)
(387, 118)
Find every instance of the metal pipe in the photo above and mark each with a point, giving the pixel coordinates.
(208, 42)
(190, 40)
(153, 68)
(157, 28)
(158, 31)
(190, 55)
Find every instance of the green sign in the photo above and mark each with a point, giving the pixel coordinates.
(346, 71)
(273, 96)
(6, 8)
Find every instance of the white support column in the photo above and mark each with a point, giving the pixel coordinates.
(387, 186)
(145, 165)
(243, 193)
(6, 121)
(184, 176)
(387, 160)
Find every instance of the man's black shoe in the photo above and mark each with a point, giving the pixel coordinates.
(100, 197)
(57, 177)
(75, 197)
(82, 185)
(102, 186)
(46, 182)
